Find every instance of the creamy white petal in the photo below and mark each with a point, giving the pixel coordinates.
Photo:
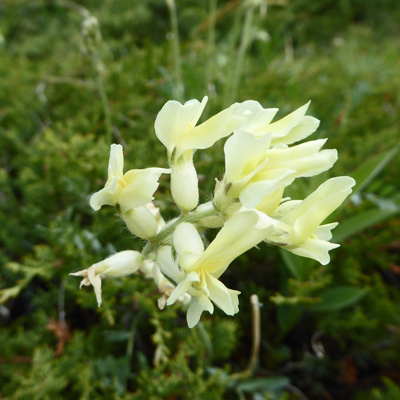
(116, 163)
(174, 120)
(198, 304)
(257, 116)
(183, 287)
(187, 243)
(271, 202)
(95, 281)
(140, 187)
(283, 126)
(224, 298)
(252, 195)
(318, 205)
(167, 265)
(301, 153)
(240, 233)
(184, 184)
(323, 232)
(243, 153)
(303, 129)
(206, 134)
(106, 196)
(120, 264)
(313, 248)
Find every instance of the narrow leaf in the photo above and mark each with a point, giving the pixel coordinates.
(369, 169)
(298, 266)
(288, 316)
(269, 384)
(359, 222)
(339, 297)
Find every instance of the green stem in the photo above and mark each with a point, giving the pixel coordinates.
(103, 97)
(244, 44)
(170, 228)
(131, 340)
(179, 88)
(211, 44)
(235, 31)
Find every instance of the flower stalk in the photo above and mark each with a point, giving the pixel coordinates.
(262, 158)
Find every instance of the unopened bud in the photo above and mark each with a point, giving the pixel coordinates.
(141, 222)
(184, 185)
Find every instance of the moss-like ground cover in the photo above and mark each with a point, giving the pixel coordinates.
(59, 110)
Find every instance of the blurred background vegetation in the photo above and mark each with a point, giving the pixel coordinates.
(327, 332)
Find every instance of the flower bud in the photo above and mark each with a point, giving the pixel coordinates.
(184, 185)
(141, 222)
(188, 244)
(214, 221)
(120, 264)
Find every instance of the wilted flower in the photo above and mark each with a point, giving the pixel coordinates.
(120, 264)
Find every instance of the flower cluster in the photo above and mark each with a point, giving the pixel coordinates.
(262, 158)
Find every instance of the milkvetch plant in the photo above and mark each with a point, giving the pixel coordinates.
(262, 158)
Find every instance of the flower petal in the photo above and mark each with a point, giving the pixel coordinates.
(240, 233)
(167, 265)
(303, 129)
(318, 205)
(174, 120)
(224, 298)
(306, 158)
(95, 281)
(313, 248)
(282, 127)
(257, 116)
(116, 162)
(107, 196)
(206, 134)
(183, 287)
(188, 244)
(252, 195)
(198, 304)
(243, 153)
(141, 185)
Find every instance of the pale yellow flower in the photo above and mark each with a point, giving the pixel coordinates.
(300, 230)
(254, 170)
(294, 127)
(118, 265)
(176, 128)
(196, 271)
(133, 189)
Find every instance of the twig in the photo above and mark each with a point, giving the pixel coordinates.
(256, 327)
(255, 346)
(179, 88)
(296, 391)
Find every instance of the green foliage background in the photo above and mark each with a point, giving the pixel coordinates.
(326, 332)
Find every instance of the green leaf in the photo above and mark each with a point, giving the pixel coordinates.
(298, 266)
(369, 169)
(339, 297)
(359, 222)
(269, 384)
(288, 316)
